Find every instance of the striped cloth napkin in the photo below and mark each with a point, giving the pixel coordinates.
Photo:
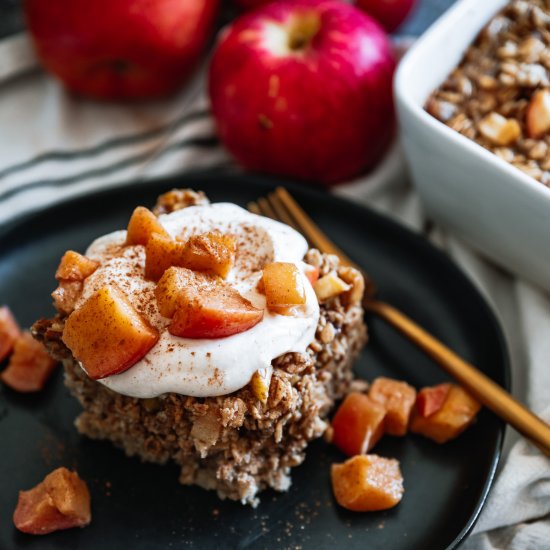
(56, 146)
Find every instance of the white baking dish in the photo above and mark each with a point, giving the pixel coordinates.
(492, 205)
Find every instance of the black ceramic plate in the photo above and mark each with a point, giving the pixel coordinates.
(142, 506)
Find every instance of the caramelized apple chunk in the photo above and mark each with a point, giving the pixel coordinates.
(211, 252)
(431, 399)
(29, 367)
(161, 252)
(173, 282)
(9, 332)
(61, 501)
(142, 225)
(216, 312)
(398, 398)
(358, 424)
(283, 286)
(203, 306)
(367, 483)
(456, 413)
(75, 267)
(107, 335)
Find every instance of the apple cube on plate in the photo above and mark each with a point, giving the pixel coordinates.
(211, 252)
(75, 267)
(283, 286)
(9, 332)
(29, 367)
(358, 424)
(61, 501)
(106, 333)
(142, 225)
(455, 413)
(367, 483)
(398, 398)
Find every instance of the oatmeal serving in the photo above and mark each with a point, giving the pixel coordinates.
(499, 95)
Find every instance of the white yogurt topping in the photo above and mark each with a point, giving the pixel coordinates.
(203, 367)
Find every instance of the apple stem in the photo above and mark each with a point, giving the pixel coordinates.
(303, 30)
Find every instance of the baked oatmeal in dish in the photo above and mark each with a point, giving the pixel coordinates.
(499, 95)
(207, 336)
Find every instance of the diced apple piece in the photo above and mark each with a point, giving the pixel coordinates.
(367, 483)
(161, 252)
(9, 332)
(537, 115)
(75, 267)
(216, 311)
(66, 295)
(30, 365)
(330, 286)
(260, 382)
(312, 273)
(358, 424)
(211, 252)
(283, 286)
(498, 129)
(171, 285)
(61, 501)
(142, 225)
(356, 280)
(431, 399)
(457, 413)
(107, 335)
(398, 398)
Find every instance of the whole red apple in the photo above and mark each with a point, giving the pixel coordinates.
(389, 13)
(303, 89)
(120, 49)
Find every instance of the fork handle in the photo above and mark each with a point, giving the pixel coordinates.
(478, 384)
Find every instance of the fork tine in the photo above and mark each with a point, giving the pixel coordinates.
(254, 208)
(309, 229)
(266, 209)
(281, 211)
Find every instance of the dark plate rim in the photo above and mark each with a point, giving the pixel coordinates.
(203, 177)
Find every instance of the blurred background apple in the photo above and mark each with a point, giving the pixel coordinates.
(303, 89)
(120, 49)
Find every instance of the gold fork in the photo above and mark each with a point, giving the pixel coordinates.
(280, 205)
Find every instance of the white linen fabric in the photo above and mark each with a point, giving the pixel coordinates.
(55, 146)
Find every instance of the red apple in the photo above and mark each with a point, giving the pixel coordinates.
(304, 89)
(120, 49)
(389, 13)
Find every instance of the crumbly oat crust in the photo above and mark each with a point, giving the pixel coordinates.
(232, 443)
(487, 96)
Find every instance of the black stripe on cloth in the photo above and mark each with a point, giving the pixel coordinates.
(106, 145)
(200, 142)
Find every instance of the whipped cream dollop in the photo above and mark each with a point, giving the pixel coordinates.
(207, 367)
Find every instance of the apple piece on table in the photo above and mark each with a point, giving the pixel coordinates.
(367, 483)
(211, 252)
(398, 398)
(9, 332)
(283, 286)
(143, 223)
(457, 412)
(106, 333)
(75, 267)
(30, 365)
(60, 501)
(358, 424)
